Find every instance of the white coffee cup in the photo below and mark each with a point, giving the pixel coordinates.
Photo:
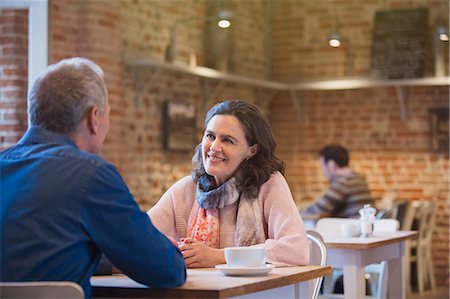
(350, 229)
(254, 256)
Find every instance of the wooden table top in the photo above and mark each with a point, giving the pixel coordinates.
(336, 240)
(207, 283)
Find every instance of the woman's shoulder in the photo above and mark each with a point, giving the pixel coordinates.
(275, 194)
(276, 183)
(275, 179)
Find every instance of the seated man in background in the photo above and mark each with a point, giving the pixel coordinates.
(348, 191)
(62, 205)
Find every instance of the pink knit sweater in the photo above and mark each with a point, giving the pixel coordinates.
(286, 243)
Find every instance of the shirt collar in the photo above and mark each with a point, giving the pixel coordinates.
(36, 135)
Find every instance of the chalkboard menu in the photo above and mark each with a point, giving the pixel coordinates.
(399, 44)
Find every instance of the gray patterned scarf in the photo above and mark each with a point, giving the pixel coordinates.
(249, 224)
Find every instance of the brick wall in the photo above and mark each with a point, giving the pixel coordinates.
(393, 153)
(14, 75)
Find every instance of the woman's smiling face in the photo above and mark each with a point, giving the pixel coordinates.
(224, 147)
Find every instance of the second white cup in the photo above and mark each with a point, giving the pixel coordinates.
(350, 229)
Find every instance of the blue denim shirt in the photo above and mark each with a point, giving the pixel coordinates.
(61, 207)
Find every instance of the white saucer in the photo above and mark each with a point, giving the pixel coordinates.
(245, 271)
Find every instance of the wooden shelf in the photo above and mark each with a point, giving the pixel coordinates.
(294, 88)
(333, 84)
(355, 83)
(205, 73)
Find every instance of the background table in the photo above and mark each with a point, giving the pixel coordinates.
(286, 282)
(352, 254)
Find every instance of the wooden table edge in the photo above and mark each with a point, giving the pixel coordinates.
(357, 246)
(284, 280)
(275, 283)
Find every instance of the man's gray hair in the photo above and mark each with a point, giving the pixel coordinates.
(64, 93)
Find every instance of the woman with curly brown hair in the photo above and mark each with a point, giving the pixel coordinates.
(237, 194)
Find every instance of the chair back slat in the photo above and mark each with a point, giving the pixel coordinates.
(424, 219)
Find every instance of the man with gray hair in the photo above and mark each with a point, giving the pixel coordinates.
(62, 205)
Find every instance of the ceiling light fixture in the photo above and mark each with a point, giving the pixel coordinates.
(223, 19)
(440, 43)
(334, 39)
(442, 33)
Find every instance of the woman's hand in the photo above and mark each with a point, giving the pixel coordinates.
(198, 255)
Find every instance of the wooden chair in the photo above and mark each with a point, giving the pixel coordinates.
(420, 247)
(41, 290)
(318, 256)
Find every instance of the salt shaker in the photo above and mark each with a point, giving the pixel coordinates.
(367, 217)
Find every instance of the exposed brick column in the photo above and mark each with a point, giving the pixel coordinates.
(91, 29)
(13, 74)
